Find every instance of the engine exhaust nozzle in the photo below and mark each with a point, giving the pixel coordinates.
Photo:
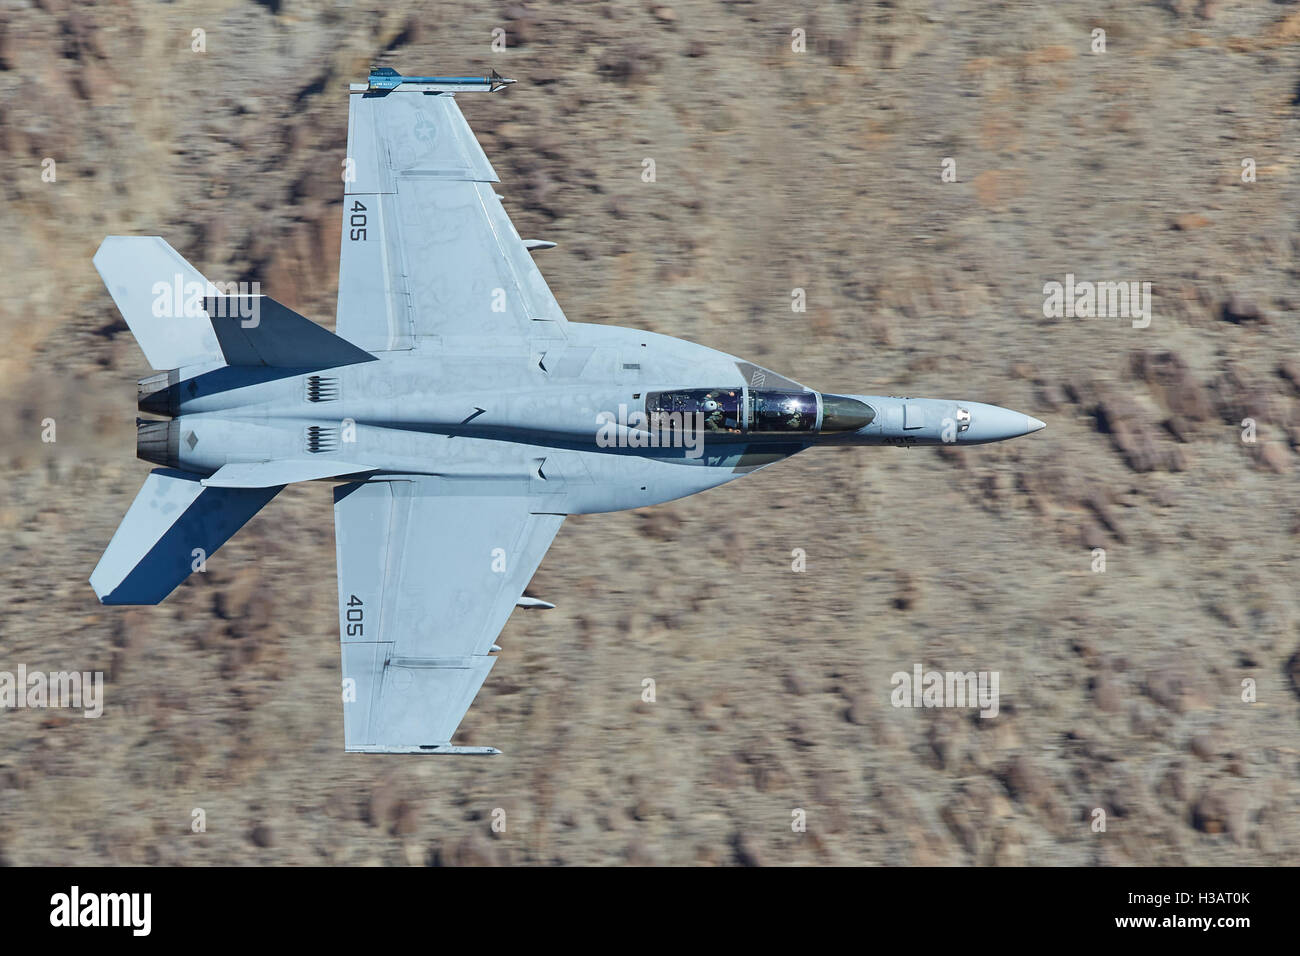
(158, 394)
(158, 442)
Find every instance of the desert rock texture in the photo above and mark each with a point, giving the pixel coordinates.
(921, 171)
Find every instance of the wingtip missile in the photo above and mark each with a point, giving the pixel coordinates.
(384, 79)
(499, 82)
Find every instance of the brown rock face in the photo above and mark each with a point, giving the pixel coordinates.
(1220, 811)
(1172, 384)
(1241, 310)
(1143, 446)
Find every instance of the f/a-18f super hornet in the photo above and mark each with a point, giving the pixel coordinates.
(461, 413)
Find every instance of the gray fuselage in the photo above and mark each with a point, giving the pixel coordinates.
(562, 416)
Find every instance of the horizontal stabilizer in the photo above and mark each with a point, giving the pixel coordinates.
(257, 330)
(173, 526)
(264, 474)
(160, 296)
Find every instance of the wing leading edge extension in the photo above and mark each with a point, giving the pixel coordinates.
(426, 582)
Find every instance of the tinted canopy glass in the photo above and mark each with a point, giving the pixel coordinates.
(720, 407)
(842, 414)
(771, 410)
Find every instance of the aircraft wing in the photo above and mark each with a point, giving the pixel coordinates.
(428, 251)
(427, 580)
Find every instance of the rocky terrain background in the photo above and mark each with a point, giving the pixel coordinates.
(775, 170)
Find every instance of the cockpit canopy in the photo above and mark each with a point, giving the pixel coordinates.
(843, 414)
(721, 408)
(774, 411)
(759, 411)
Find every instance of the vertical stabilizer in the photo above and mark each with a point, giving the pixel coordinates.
(160, 296)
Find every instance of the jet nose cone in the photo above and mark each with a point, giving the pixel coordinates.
(990, 423)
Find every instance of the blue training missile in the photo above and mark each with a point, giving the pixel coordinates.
(384, 79)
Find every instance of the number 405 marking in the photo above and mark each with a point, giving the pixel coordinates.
(356, 611)
(358, 221)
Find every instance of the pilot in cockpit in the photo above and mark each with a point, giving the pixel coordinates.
(716, 405)
(794, 420)
(714, 414)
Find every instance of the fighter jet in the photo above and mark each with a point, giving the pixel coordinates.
(461, 415)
